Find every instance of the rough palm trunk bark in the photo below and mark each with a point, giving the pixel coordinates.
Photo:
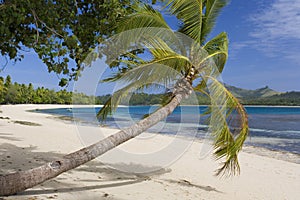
(20, 181)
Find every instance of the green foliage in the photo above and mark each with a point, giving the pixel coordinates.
(2, 89)
(252, 94)
(228, 125)
(265, 96)
(25, 94)
(284, 99)
(198, 17)
(217, 48)
(177, 60)
(213, 8)
(61, 32)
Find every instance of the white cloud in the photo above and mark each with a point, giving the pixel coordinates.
(276, 30)
(294, 57)
(281, 20)
(235, 47)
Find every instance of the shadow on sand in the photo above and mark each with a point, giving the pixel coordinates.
(14, 158)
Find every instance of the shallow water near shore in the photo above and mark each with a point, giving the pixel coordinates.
(275, 128)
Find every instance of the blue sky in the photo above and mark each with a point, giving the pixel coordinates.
(264, 48)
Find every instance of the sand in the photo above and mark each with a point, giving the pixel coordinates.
(264, 174)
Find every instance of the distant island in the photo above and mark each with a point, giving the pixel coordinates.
(265, 96)
(16, 93)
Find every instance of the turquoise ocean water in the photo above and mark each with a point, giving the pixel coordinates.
(275, 128)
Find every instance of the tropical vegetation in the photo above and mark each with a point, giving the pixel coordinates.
(185, 59)
(17, 93)
(61, 32)
(191, 66)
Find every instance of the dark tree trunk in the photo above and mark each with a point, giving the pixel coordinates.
(20, 181)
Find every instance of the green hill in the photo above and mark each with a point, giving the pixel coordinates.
(284, 99)
(261, 96)
(265, 96)
(251, 94)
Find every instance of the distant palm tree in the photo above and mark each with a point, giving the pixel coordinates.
(189, 67)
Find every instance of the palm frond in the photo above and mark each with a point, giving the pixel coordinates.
(201, 87)
(212, 10)
(142, 77)
(172, 58)
(163, 54)
(229, 126)
(144, 16)
(210, 59)
(157, 40)
(166, 65)
(143, 38)
(190, 13)
(217, 48)
(112, 103)
(145, 22)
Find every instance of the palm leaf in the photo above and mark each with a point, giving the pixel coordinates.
(217, 48)
(163, 54)
(143, 24)
(112, 103)
(144, 16)
(171, 62)
(171, 59)
(229, 126)
(211, 60)
(158, 41)
(212, 10)
(141, 77)
(190, 13)
(201, 87)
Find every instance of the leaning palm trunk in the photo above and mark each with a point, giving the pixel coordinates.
(20, 181)
(167, 49)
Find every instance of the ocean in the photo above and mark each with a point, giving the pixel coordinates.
(271, 127)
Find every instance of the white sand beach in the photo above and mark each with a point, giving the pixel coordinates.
(264, 174)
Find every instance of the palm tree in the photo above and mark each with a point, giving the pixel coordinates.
(189, 67)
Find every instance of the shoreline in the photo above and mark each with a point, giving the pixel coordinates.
(257, 150)
(274, 153)
(275, 106)
(189, 177)
(85, 105)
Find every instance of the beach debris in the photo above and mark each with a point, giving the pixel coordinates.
(27, 123)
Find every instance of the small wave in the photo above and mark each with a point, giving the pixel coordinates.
(272, 138)
(274, 131)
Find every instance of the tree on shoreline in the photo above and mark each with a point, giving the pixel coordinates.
(194, 66)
